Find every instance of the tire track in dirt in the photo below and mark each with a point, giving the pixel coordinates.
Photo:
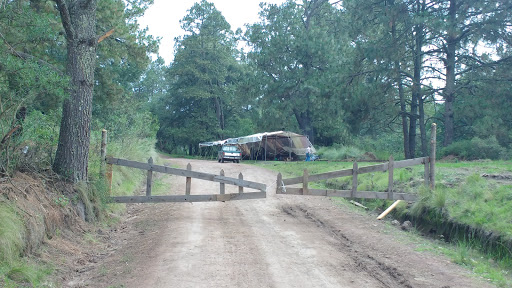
(387, 275)
(282, 241)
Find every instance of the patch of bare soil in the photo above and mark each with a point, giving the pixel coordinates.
(280, 241)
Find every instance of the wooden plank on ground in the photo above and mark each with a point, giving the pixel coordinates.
(188, 198)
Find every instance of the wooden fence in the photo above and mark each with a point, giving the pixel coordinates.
(429, 174)
(189, 175)
(106, 169)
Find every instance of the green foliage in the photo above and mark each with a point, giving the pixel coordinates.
(202, 103)
(475, 148)
(340, 152)
(297, 58)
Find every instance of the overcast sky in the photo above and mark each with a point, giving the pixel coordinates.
(163, 17)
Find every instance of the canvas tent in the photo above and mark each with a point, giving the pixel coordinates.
(278, 145)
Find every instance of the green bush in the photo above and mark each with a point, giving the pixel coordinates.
(475, 148)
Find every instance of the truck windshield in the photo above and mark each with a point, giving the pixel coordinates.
(229, 148)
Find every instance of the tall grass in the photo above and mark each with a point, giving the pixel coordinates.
(13, 271)
(340, 152)
(12, 233)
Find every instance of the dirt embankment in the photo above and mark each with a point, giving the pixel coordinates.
(280, 241)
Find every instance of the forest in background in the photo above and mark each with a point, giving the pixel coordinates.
(369, 74)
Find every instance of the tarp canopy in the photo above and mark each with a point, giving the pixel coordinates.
(276, 145)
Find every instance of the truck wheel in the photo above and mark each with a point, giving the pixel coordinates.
(222, 160)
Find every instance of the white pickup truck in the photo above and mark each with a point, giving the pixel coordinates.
(229, 153)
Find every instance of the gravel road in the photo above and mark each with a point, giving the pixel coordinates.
(281, 241)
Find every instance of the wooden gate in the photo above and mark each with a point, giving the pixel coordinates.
(429, 174)
(189, 175)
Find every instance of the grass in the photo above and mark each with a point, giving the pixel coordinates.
(12, 233)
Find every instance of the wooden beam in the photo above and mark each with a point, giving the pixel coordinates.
(348, 194)
(410, 162)
(373, 168)
(390, 208)
(222, 185)
(186, 173)
(390, 177)
(305, 182)
(330, 175)
(103, 153)
(188, 181)
(294, 180)
(240, 188)
(358, 204)
(188, 198)
(149, 181)
(354, 179)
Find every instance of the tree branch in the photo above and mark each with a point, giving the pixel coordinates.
(66, 19)
(26, 56)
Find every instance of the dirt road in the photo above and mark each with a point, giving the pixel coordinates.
(280, 241)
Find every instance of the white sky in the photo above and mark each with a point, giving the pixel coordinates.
(163, 17)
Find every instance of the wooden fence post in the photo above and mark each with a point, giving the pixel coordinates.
(390, 177)
(150, 177)
(109, 173)
(426, 172)
(433, 143)
(222, 185)
(279, 182)
(354, 180)
(103, 153)
(240, 188)
(188, 181)
(305, 186)
(105, 172)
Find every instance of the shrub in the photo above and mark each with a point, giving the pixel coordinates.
(476, 148)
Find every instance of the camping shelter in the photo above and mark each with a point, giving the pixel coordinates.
(278, 145)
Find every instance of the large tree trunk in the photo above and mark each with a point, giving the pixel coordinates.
(423, 128)
(220, 115)
(405, 128)
(416, 81)
(79, 22)
(449, 89)
(305, 124)
(401, 95)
